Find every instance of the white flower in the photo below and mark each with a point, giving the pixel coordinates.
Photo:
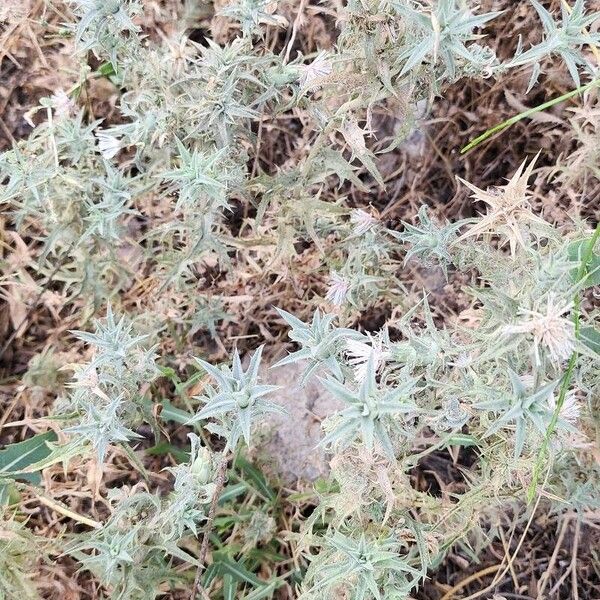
(463, 361)
(569, 436)
(549, 329)
(108, 144)
(316, 71)
(362, 221)
(338, 289)
(360, 352)
(570, 409)
(62, 104)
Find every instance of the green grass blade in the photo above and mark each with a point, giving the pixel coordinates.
(528, 113)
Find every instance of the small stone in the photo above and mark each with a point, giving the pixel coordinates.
(291, 440)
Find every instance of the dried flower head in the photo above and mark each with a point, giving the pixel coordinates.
(510, 215)
(548, 328)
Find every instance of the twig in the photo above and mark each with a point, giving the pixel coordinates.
(219, 482)
(487, 571)
(573, 569)
(294, 30)
(8, 411)
(506, 553)
(546, 575)
(63, 510)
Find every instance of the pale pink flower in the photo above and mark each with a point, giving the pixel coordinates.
(549, 328)
(570, 409)
(360, 352)
(62, 104)
(362, 221)
(338, 289)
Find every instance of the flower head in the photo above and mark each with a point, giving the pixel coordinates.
(62, 104)
(362, 221)
(570, 409)
(359, 353)
(549, 328)
(509, 213)
(108, 144)
(338, 289)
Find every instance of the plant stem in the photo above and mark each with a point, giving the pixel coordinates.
(219, 483)
(568, 375)
(528, 113)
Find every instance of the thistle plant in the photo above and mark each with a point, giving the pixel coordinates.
(237, 400)
(321, 342)
(102, 25)
(189, 122)
(567, 39)
(130, 553)
(253, 14)
(367, 260)
(442, 37)
(107, 401)
(463, 385)
(429, 242)
(171, 206)
(198, 178)
(525, 409)
(363, 565)
(370, 413)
